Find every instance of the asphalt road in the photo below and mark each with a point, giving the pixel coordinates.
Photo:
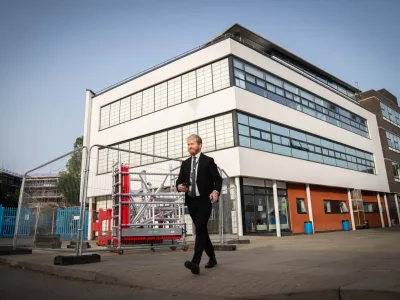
(17, 284)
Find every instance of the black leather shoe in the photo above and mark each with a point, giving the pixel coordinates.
(192, 267)
(211, 263)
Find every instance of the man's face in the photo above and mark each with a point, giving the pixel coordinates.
(193, 147)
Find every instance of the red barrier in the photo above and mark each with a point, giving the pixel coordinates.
(98, 226)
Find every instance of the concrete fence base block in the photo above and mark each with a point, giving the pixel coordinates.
(238, 242)
(224, 247)
(76, 260)
(8, 250)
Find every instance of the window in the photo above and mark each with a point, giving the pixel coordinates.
(124, 155)
(204, 81)
(250, 77)
(136, 105)
(174, 91)
(345, 91)
(207, 133)
(102, 161)
(160, 145)
(134, 159)
(105, 117)
(390, 115)
(301, 206)
(396, 171)
(217, 133)
(112, 157)
(224, 131)
(125, 113)
(189, 86)
(148, 101)
(220, 75)
(290, 142)
(200, 82)
(114, 113)
(160, 96)
(371, 207)
(175, 143)
(393, 141)
(335, 207)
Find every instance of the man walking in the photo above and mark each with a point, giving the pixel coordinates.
(200, 180)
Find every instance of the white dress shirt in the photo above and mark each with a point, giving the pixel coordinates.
(191, 168)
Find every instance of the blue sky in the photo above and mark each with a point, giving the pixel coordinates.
(52, 51)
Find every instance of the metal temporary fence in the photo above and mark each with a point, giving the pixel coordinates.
(7, 221)
(152, 177)
(55, 213)
(50, 203)
(67, 222)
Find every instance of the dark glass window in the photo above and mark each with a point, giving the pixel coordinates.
(271, 137)
(301, 206)
(335, 207)
(285, 93)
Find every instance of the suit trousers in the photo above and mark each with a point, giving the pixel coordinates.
(200, 211)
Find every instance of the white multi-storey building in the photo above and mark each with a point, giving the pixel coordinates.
(289, 133)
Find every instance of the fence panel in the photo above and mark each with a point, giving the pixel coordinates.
(48, 192)
(68, 223)
(150, 178)
(1, 220)
(103, 197)
(8, 218)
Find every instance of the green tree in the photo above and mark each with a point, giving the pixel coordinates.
(70, 180)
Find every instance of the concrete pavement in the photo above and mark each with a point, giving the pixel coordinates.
(363, 264)
(19, 284)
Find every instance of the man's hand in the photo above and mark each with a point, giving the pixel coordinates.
(214, 197)
(182, 188)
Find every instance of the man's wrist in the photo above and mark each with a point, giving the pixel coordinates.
(216, 192)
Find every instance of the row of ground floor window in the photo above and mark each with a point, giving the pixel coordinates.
(325, 207)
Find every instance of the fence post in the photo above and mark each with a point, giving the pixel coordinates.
(52, 222)
(82, 199)
(36, 225)
(221, 212)
(1, 220)
(21, 195)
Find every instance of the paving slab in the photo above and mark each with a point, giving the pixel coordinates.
(323, 266)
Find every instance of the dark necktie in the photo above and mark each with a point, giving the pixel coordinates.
(193, 191)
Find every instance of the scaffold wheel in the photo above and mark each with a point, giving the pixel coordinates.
(185, 249)
(120, 252)
(172, 248)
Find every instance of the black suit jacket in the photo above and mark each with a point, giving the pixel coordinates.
(208, 178)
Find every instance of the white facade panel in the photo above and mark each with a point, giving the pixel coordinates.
(235, 161)
(284, 72)
(258, 164)
(101, 185)
(210, 105)
(268, 109)
(166, 72)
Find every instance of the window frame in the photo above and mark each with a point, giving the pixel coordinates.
(338, 206)
(331, 112)
(328, 152)
(297, 206)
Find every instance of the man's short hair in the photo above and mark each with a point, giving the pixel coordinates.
(195, 137)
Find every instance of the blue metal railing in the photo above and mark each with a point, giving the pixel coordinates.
(66, 222)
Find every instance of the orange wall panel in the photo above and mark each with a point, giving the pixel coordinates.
(323, 221)
(374, 219)
(297, 220)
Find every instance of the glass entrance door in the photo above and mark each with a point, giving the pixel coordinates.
(259, 210)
